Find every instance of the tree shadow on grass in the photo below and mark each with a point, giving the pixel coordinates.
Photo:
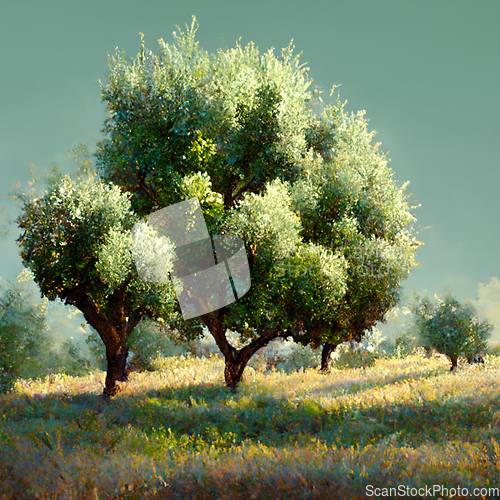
(208, 420)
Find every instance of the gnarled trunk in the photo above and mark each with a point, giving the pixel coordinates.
(117, 370)
(114, 327)
(328, 348)
(236, 360)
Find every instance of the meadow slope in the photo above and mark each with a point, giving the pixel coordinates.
(179, 433)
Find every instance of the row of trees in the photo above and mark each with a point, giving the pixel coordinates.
(312, 197)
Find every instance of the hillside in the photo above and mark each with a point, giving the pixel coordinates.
(180, 433)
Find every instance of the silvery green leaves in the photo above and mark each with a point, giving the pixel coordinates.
(153, 253)
(91, 200)
(67, 230)
(304, 196)
(199, 185)
(78, 234)
(115, 263)
(268, 221)
(239, 116)
(452, 328)
(315, 279)
(301, 276)
(358, 179)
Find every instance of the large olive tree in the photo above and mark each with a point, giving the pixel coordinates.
(327, 229)
(310, 196)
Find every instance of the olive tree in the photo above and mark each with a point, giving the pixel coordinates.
(23, 333)
(451, 328)
(238, 131)
(76, 240)
(353, 205)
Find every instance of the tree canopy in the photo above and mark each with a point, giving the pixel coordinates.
(355, 207)
(77, 242)
(328, 231)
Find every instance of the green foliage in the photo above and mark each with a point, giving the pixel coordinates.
(347, 356)
(359, 211)
(198, 185)
(284, 287)
(450, 327)
(65, 230)
(77, 236)
(233, 115)
(328, 230)
(57, 357)
(361, 354)
(23, 333)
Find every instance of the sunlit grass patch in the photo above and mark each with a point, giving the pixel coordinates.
(179, 432)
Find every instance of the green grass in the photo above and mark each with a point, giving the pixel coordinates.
(180, 433)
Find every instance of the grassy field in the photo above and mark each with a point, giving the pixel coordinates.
(179, 433)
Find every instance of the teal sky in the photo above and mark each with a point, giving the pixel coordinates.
(427, 73)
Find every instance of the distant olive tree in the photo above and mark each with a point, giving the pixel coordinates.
(450, 327)
(23, 333)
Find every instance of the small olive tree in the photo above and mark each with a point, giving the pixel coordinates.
(450, 327)
(77, 242)
(23, 333)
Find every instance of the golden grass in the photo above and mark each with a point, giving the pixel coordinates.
(180, 433)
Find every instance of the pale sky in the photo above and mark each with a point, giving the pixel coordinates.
(427, 73)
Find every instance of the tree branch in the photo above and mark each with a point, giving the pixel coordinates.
(243, 188)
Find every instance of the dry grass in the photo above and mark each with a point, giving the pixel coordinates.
(179, 433)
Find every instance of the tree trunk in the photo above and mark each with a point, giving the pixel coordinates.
(236, 360)
(233, 372)
(325, 355)
(117, 370)
(114, 328)
(454, 363)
